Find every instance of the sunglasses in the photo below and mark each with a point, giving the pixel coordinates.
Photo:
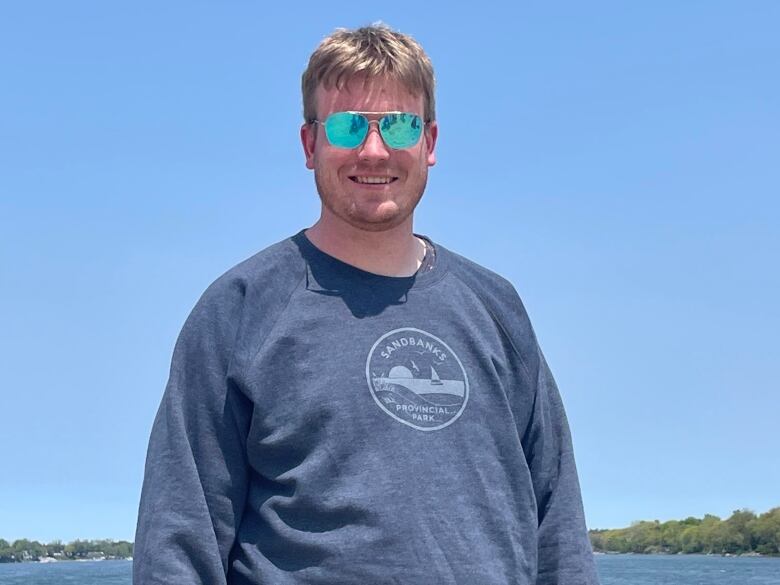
(349, 129)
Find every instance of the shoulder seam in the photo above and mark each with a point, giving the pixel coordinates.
(500, 325)
(282, 311)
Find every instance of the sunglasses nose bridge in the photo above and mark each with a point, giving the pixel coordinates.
(371, 126)
(373, 145)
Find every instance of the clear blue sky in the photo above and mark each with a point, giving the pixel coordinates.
(617, 161)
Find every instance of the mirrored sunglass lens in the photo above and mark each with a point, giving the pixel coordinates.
(346, 130)
(401, 130)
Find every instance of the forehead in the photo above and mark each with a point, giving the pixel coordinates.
(374, 95)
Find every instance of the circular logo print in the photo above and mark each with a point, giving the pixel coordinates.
(417, 379)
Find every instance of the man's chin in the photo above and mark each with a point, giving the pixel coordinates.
(377, 222)
(375, 212)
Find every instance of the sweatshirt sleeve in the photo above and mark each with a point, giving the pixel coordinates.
(565, 555)
(195, 481)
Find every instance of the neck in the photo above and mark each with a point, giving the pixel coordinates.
(393, 252)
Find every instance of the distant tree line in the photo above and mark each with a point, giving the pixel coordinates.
(742, 533)
(31, 550)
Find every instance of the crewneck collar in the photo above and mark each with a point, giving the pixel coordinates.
(330, 274)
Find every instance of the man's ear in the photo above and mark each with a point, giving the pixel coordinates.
(308, 140)
(431, 134)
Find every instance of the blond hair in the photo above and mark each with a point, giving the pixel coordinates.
(368, 52)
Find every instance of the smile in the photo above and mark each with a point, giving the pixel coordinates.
(373, 180)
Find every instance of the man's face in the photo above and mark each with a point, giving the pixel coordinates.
(340, 173)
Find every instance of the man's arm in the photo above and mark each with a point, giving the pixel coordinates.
(565, 555)
(195, 483)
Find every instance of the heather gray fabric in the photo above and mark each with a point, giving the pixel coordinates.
(325, 425)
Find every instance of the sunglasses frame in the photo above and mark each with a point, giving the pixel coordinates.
(366, 115)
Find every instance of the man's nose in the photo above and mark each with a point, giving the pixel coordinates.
(373, 147)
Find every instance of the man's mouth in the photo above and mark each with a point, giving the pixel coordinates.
(366, 180)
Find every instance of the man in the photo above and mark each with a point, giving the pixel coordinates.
(356, 404)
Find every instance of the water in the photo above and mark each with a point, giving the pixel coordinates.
(614, 570)
(687, 570)
(67, 573)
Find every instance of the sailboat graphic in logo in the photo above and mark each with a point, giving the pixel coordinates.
(417, 379)
(435, 380)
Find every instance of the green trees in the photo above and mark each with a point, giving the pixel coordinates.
(765, 531)
(26, 550)
(5, 552)
(743, 532)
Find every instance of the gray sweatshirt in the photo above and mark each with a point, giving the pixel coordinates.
(326, 425)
